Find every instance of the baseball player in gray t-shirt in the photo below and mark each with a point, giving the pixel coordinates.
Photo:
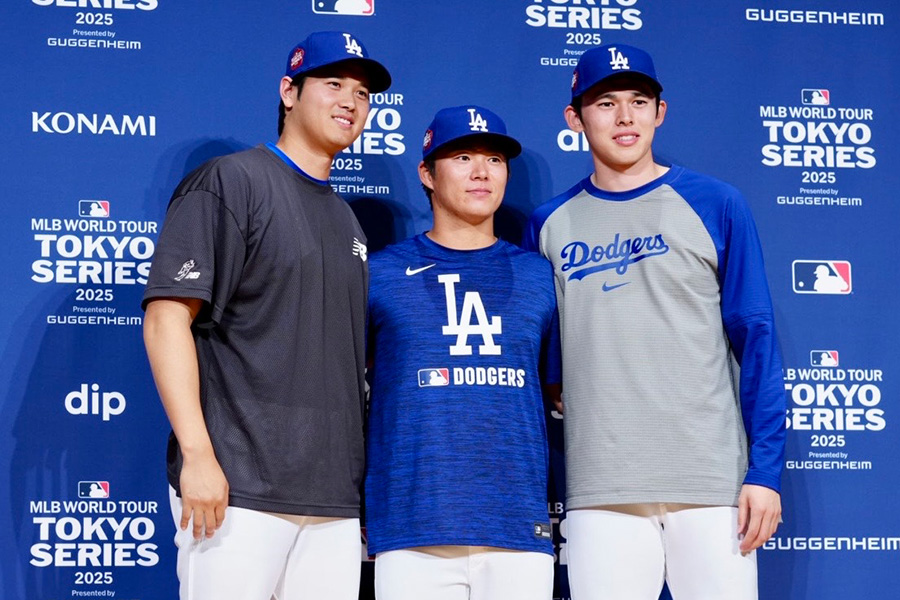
(674, 404)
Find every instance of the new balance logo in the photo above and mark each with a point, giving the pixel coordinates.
(463, 327)
(352, 46)
(360, 250)
(186, 271)
(476, 121)
(617, 60)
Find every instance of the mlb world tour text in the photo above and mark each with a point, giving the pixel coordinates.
(834, 400)
(94, 534)
(820, 140)
(584, 14)
(71, 256)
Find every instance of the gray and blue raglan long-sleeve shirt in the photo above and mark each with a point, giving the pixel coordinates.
(672, 377)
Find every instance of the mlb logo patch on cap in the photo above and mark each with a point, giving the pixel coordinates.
(297, 59)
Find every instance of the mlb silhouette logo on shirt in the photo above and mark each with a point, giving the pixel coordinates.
(434, 377)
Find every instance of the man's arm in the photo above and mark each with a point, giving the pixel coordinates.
(173, 360)
(750, 324)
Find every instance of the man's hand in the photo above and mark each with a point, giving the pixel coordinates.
(204, 492)
(553, 393)
(759, 513)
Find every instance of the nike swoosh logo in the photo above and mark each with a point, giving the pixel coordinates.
(609, 288)
(411, 271)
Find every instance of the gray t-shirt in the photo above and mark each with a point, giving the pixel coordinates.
(662, 293)
(280, 263)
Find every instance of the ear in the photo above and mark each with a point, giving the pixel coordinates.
(661, 113)
(573, 120)
(287, 92)
(425, 176)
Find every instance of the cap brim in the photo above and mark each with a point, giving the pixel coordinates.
(625, 75)
(507, 145)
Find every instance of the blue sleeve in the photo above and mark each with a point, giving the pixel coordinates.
(532, 236)
(551, 355)
(551, 344)
(749, 322)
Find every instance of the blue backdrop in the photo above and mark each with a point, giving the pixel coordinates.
(108, 103)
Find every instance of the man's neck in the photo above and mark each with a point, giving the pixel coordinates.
(312, 161)
(462, 236)
(613, 179)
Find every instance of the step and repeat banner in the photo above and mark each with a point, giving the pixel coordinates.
(107, 104)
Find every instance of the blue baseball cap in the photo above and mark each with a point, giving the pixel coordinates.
(325, 48)
(459, 122)
(612, 60)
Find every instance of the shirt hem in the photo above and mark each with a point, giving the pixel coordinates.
(705, 499)
(543, 546)
(310, 510)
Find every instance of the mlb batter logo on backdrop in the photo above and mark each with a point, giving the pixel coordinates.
(818, 97)
(365, 8)
(824, 358)
(93, 489)
(822, 277)
(97, 209)
(434, 377)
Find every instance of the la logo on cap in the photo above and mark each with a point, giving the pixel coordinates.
(476, 121)
(297, 58)
(617, 60)
(352, 46)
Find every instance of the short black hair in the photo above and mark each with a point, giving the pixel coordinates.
(296, 82)
(429, 165)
